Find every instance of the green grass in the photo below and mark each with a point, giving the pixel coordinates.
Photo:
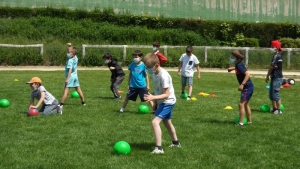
(83, 137)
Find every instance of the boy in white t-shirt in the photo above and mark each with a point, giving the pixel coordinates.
(163, 101)
(188, 62)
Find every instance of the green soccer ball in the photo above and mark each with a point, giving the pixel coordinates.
(265, 108)
(143, 109)
(4, 103)
(281, 107)
(122, 147)
(75, 94)
(237, 120)
(184, 96)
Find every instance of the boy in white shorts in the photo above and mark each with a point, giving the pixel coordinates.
(163, 101)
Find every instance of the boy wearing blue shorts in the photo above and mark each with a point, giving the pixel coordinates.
(164, 99)
(71, 77)
(245, 85)
(275, 71)
(188, 62)
(138, 81)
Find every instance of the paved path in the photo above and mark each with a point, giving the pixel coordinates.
(294, 74)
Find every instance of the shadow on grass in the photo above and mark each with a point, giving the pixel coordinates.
(142, 146)
(105, 97)
(217, 121)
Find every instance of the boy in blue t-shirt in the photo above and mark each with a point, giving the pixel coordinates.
(138, 81)
(246, 86)
(71, 77)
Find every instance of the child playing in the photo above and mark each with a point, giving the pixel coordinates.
(188, 61)
(138, 81)
(48, 101)
(161, 57)
(246, 86)
(275, 70)
(117, 74)
(71, 77)
(164, 99)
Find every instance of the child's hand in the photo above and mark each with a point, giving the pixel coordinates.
(33, 107)
(112, 68)
(148, 88)
(148, 97)
(240, 87)
(178, 73)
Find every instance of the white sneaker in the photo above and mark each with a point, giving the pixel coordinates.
(121, 110)
(157, 151)
(188, 98)
(59, 109)
(174, 145)
(277, 112)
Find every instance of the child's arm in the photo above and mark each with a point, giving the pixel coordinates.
(149, 97)
(69, 75)
(40, 101)
(231, 69)
(179, 68)
(31, 102)
(198, 70)
(269, 72)
(147, 81)
(129, 78)
(247, 76)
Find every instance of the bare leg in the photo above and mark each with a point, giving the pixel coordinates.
(65, 95)
(171, 129)
(125, 103)
(190, 90)
(242, 110)
(78, 89)
(157, 130)
(248, 111)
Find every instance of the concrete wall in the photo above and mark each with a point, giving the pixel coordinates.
(241, 10)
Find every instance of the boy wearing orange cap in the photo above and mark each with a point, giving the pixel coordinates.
(47, 100)
(275, 71)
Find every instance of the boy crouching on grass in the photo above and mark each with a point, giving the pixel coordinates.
(246, 86)
(164, 99)
(47, 100)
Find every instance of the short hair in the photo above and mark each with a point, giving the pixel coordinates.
(137, 52)
(156, 44)
(189, 49)
(73, 49)
(107, 56)
(238, 54)
(150, 60)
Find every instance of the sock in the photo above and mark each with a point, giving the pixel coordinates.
(82, 103)
(189, 96)
(61, 104)
(175, 142)
(159, 147)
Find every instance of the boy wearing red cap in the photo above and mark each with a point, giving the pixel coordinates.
(275, 71)
(161, 57)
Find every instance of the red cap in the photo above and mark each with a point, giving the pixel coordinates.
(276, 44)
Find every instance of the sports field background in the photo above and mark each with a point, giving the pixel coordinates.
(241, 10)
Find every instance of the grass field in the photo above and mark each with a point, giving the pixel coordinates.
(83, 137)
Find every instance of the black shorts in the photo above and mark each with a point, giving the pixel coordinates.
(134, 92)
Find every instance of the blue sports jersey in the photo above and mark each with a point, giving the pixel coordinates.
(240, 70)
(138, 75)
(71, 64)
